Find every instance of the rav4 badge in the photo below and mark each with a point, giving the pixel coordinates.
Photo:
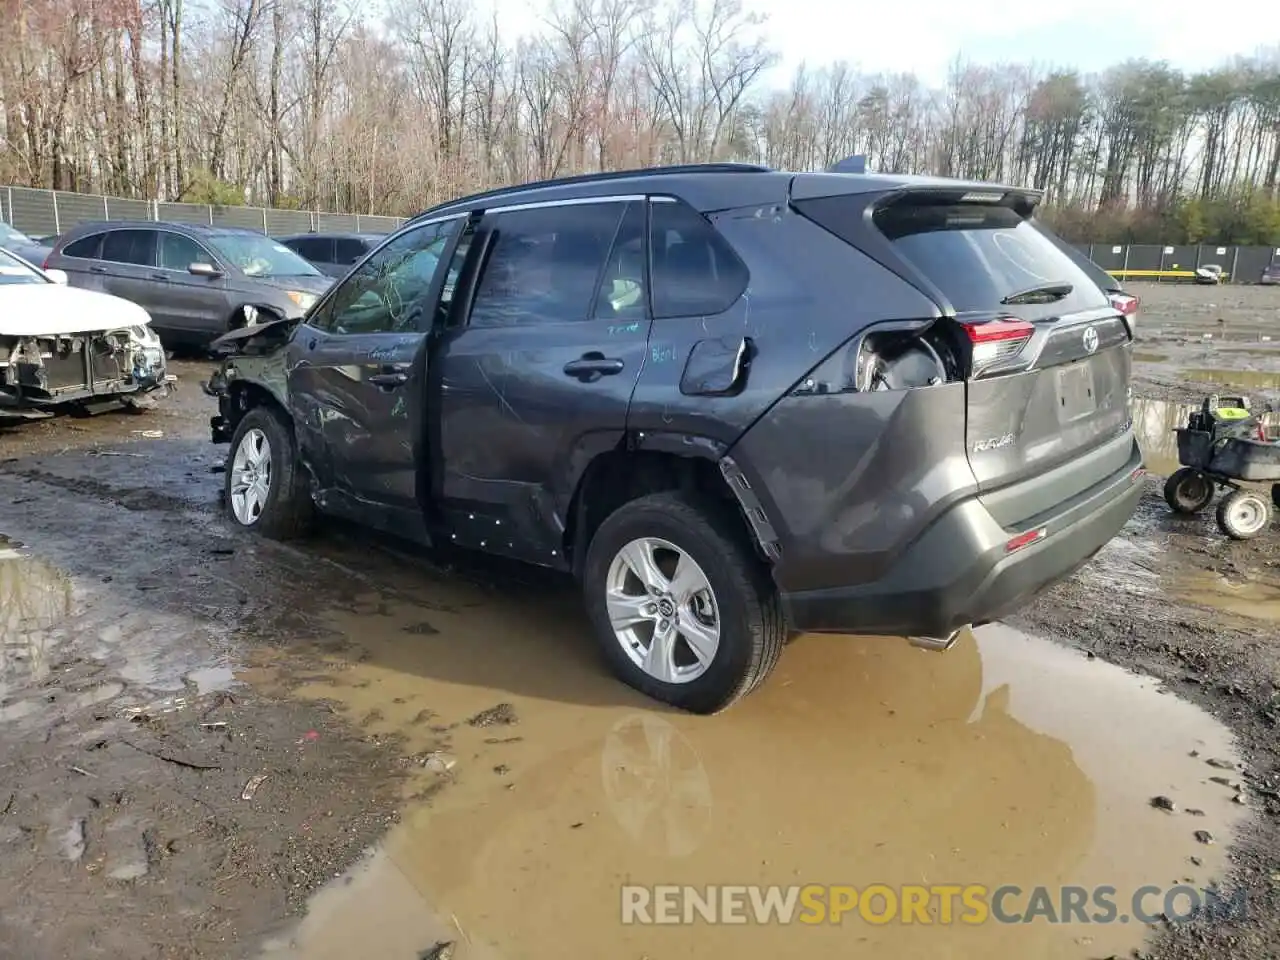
(995, 443)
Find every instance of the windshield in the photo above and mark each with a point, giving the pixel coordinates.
(14, 271)
(257, 256)
(10, 235)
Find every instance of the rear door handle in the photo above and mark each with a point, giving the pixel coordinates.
(164, 277)
(592, 366)
(97, 269)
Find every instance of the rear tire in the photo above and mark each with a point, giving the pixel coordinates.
(264, 457)
(1243, 514)
(735, 592)
(1188, 490)
(1275, 494)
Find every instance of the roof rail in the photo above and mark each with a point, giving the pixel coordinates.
(605, 176)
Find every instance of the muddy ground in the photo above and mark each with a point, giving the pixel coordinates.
(445, 761)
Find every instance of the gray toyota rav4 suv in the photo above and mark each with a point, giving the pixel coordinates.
(736, 403)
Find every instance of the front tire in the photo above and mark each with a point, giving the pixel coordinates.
(1243, 514)
(683, 610)
(265, 487)
(1188, 490)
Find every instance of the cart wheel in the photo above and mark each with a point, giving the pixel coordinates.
(1243, 514)
(1188, 490)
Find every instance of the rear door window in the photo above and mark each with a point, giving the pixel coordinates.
(544, 264)
(315, 249)
(135, 247)
(347, 250)
(979, 255)
(695, 271)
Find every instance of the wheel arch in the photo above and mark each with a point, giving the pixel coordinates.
(646, 463)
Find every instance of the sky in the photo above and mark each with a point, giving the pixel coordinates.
(924, 36)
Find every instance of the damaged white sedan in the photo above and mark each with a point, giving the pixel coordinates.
(65, 347)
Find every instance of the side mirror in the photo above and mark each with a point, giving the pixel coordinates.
(58, 276)
(204, 270)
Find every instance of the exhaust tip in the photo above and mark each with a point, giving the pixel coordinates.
(938, 644)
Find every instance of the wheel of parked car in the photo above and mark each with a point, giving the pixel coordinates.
(266, 488)
(683, 609)
(1243, 514)
(1275, 494)
(1188, 490)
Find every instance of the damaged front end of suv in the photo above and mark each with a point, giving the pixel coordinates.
(252, 366)
(41, 373)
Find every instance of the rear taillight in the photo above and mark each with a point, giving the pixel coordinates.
(996, 341)
(45, 265)
(1126, 303)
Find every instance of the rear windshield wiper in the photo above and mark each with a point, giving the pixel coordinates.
(1043, 293)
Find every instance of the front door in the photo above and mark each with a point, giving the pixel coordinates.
(188, 303)
(355, 369)
(537, 376)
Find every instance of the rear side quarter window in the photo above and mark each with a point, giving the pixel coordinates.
(86, 248)
(695, 270)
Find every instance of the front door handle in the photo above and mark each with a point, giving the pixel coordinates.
(163, 277)
(389, 377)
(97, 269)
(592, 366)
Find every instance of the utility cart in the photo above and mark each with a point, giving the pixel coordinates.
(1225, 445)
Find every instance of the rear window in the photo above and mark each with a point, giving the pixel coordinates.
(978, 255)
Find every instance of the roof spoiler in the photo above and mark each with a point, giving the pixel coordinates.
(855, 164)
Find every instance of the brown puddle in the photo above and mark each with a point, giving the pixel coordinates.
(1256, 599)
(1007, 760)
(34, 598)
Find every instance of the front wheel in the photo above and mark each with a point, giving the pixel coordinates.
(683, 610)
(1243, 514)
(1275, 494)
(265, 486)
(1188, 490)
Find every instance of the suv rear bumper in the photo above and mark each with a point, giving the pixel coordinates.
(959, 572)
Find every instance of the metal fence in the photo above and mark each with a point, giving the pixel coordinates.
(1176, 263)
(46, 212)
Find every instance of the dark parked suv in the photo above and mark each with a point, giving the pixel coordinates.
(736, 403)
(197, 282)
(333, 254)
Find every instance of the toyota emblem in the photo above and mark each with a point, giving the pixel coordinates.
(1090, 340)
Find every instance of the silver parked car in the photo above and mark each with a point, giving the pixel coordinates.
(17, 242)
(197, 282)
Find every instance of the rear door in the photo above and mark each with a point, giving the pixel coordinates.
(1050, 359)
(127, 267)
(356, 367)
(535, 372)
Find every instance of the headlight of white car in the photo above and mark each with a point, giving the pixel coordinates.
(302, 299)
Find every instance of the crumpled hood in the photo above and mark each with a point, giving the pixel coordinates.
(43, 309)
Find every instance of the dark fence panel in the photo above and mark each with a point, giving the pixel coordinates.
(1110, 256)
(43, 212)
(281, 223)
(1251, 261)
(1145, 257)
